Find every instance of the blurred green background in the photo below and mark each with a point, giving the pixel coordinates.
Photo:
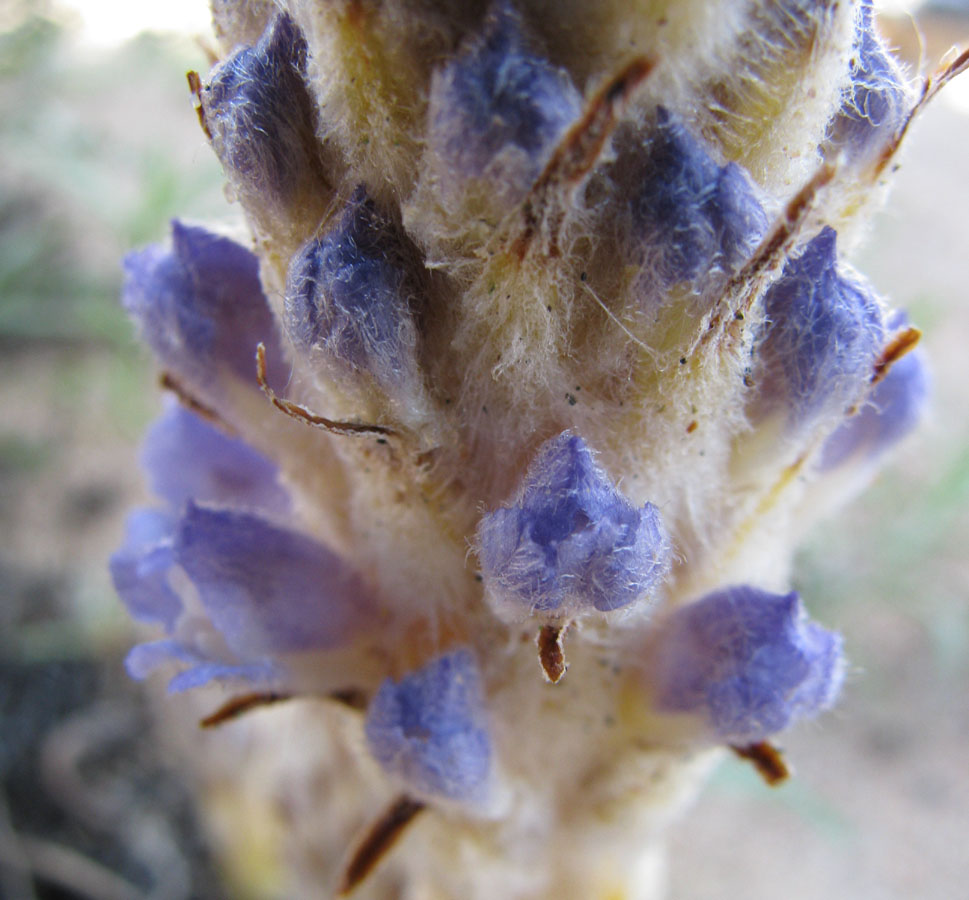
(100, 148)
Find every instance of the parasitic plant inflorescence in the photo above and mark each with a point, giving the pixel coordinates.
(489, 448)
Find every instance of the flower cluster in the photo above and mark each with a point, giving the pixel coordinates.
(530, 334)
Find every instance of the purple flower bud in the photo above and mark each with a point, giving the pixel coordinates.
(748, 661)
(570, 541)
(200, 307)
(261, 116)
(187, 459)
(693, 215)
(430, 729)
(352, 293)
(496, 98)
(876, 101)
(892, 410)
(824, 333)
(139, 569)
(266, 589)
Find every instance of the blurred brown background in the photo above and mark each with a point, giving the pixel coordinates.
(99, 147)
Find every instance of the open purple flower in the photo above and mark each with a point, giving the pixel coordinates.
(268, 589)
(748, 662)
(430, 729)
(188, 459)
(259, 592)
(570, 542)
